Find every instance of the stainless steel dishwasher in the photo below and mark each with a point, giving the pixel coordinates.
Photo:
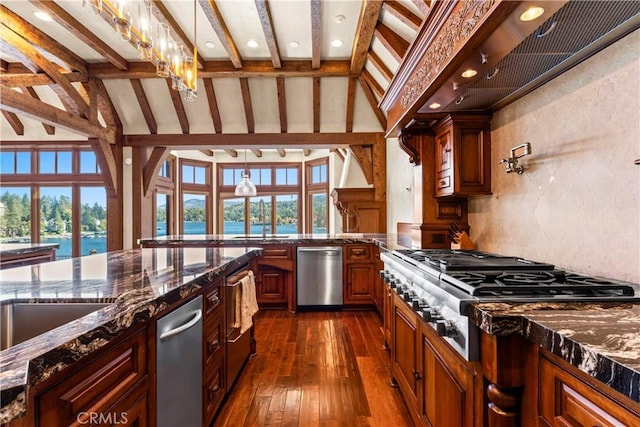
(179, 366)
(319, 276)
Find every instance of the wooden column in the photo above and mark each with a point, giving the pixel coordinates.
(115, 204)
(142, 204)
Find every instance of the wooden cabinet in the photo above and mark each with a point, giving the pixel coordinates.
(440, 388)
(274, 276)
(359, 274)
(378, 283)
(213, 350)
(463, 155)
(567, 400)
(109, 384)
(360, 211)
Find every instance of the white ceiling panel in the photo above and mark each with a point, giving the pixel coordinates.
(298, 92)
(411, 6)
(364, 119)
(264, 100)
(230, 105)
(292, 30)
(384, 55)
(377, 76)
(397, 26)
(164, 112)
(241, 17)
(333, 104)
(127, 106)
(332, 30)
(198, 112)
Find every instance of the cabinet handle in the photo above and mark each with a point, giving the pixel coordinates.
(416, 374)
(358, 252)
(213, 390)
(213, 345)
(214, 299)
(442, 183)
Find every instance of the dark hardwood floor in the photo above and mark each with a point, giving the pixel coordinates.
(316, 369)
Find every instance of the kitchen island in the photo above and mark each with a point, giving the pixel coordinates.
(17, 254)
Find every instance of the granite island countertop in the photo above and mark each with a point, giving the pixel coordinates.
(600, 339)
(385, 241)
(7, 249)
(139, 284)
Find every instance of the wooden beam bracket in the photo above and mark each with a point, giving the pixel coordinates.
(151, 169)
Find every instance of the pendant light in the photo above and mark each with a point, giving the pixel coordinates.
(245, 187)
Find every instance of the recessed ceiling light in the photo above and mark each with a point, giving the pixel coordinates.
(253, 43)
(467, 74)
(294, 43)
(42, 15)
(336, 43)
(209, 44)
(434, 105)
(339, 19)
(532, 13)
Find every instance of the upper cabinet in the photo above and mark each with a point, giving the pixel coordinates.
(463, 155)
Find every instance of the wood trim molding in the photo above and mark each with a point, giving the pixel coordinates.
(264, 13)
(213, 105)
(369, 13)
(217, 23)
(152, 167)
(257, 140)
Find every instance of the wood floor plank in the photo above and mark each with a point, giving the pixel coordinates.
(316, 369)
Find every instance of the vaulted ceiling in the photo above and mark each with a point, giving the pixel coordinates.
(72, 76)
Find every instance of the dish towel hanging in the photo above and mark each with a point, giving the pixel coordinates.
(249, 301)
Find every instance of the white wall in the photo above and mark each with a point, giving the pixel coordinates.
(578, 202)
(399, 186)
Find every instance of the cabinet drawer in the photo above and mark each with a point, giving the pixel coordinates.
(213, 338)
(358, 252)
(97, 386)
(213, 389)
(212, 300)
(443, 182)
(277, 253)
(568, 401)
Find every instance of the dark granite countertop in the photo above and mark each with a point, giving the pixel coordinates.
(139, 283)
(600, 339)
(386, 241)
(7, 249)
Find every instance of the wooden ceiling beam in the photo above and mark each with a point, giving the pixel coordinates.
(423, 6)
(282, 104)
(213, 105)
(264, 13)
(27, 106)
(4, 66)
(162, 14)
(369, 13)
(39, 79)
(316, 104)
(51, 130)
(13, 52)
(405, 15)
(49, 68)
(373, 103)
(152, 168)
(282, 152)
(380, 66)
(316, 34)
(351, 92)
(106, 107)
(14, 121)
(373, 84)
(179, 107)
(214, 16)
(246, 102)
(107, 163)
(396, 45)
(65, 19)
(214, 69)
(256, 152)
(144, 106)
(208, 153)
(231, 152)
(38, 38)
(255, 140)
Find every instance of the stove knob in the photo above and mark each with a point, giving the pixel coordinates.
(395, 284)
(383, 275)
(430, 314)
(409, 295)
(418, 303)
(446, 328)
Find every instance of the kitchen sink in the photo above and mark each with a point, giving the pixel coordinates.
(268, 236)
(22, 321)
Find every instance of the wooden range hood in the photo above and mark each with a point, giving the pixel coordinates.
(511, 57)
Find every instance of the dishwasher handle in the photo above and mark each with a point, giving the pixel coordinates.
(325, 250)
(171, 332)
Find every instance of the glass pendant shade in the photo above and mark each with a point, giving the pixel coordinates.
(145, 43)
(245, 187)
(162, 46)
(190, 79)
(123, 19)
(177, 66)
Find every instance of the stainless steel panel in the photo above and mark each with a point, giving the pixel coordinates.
(319, 276)
(179, 366)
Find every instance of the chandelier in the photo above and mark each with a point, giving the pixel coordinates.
(153, 40)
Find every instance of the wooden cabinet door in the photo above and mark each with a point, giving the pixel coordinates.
(404, 355)
(444, 162)
(271, 286)
(359, 286)
(446, 389)
(387, 310)
(378, 283)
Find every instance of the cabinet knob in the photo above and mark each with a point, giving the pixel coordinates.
(213, 345)
(416, 374)
(213, 391)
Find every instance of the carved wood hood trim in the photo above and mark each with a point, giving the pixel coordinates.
(436, 53)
